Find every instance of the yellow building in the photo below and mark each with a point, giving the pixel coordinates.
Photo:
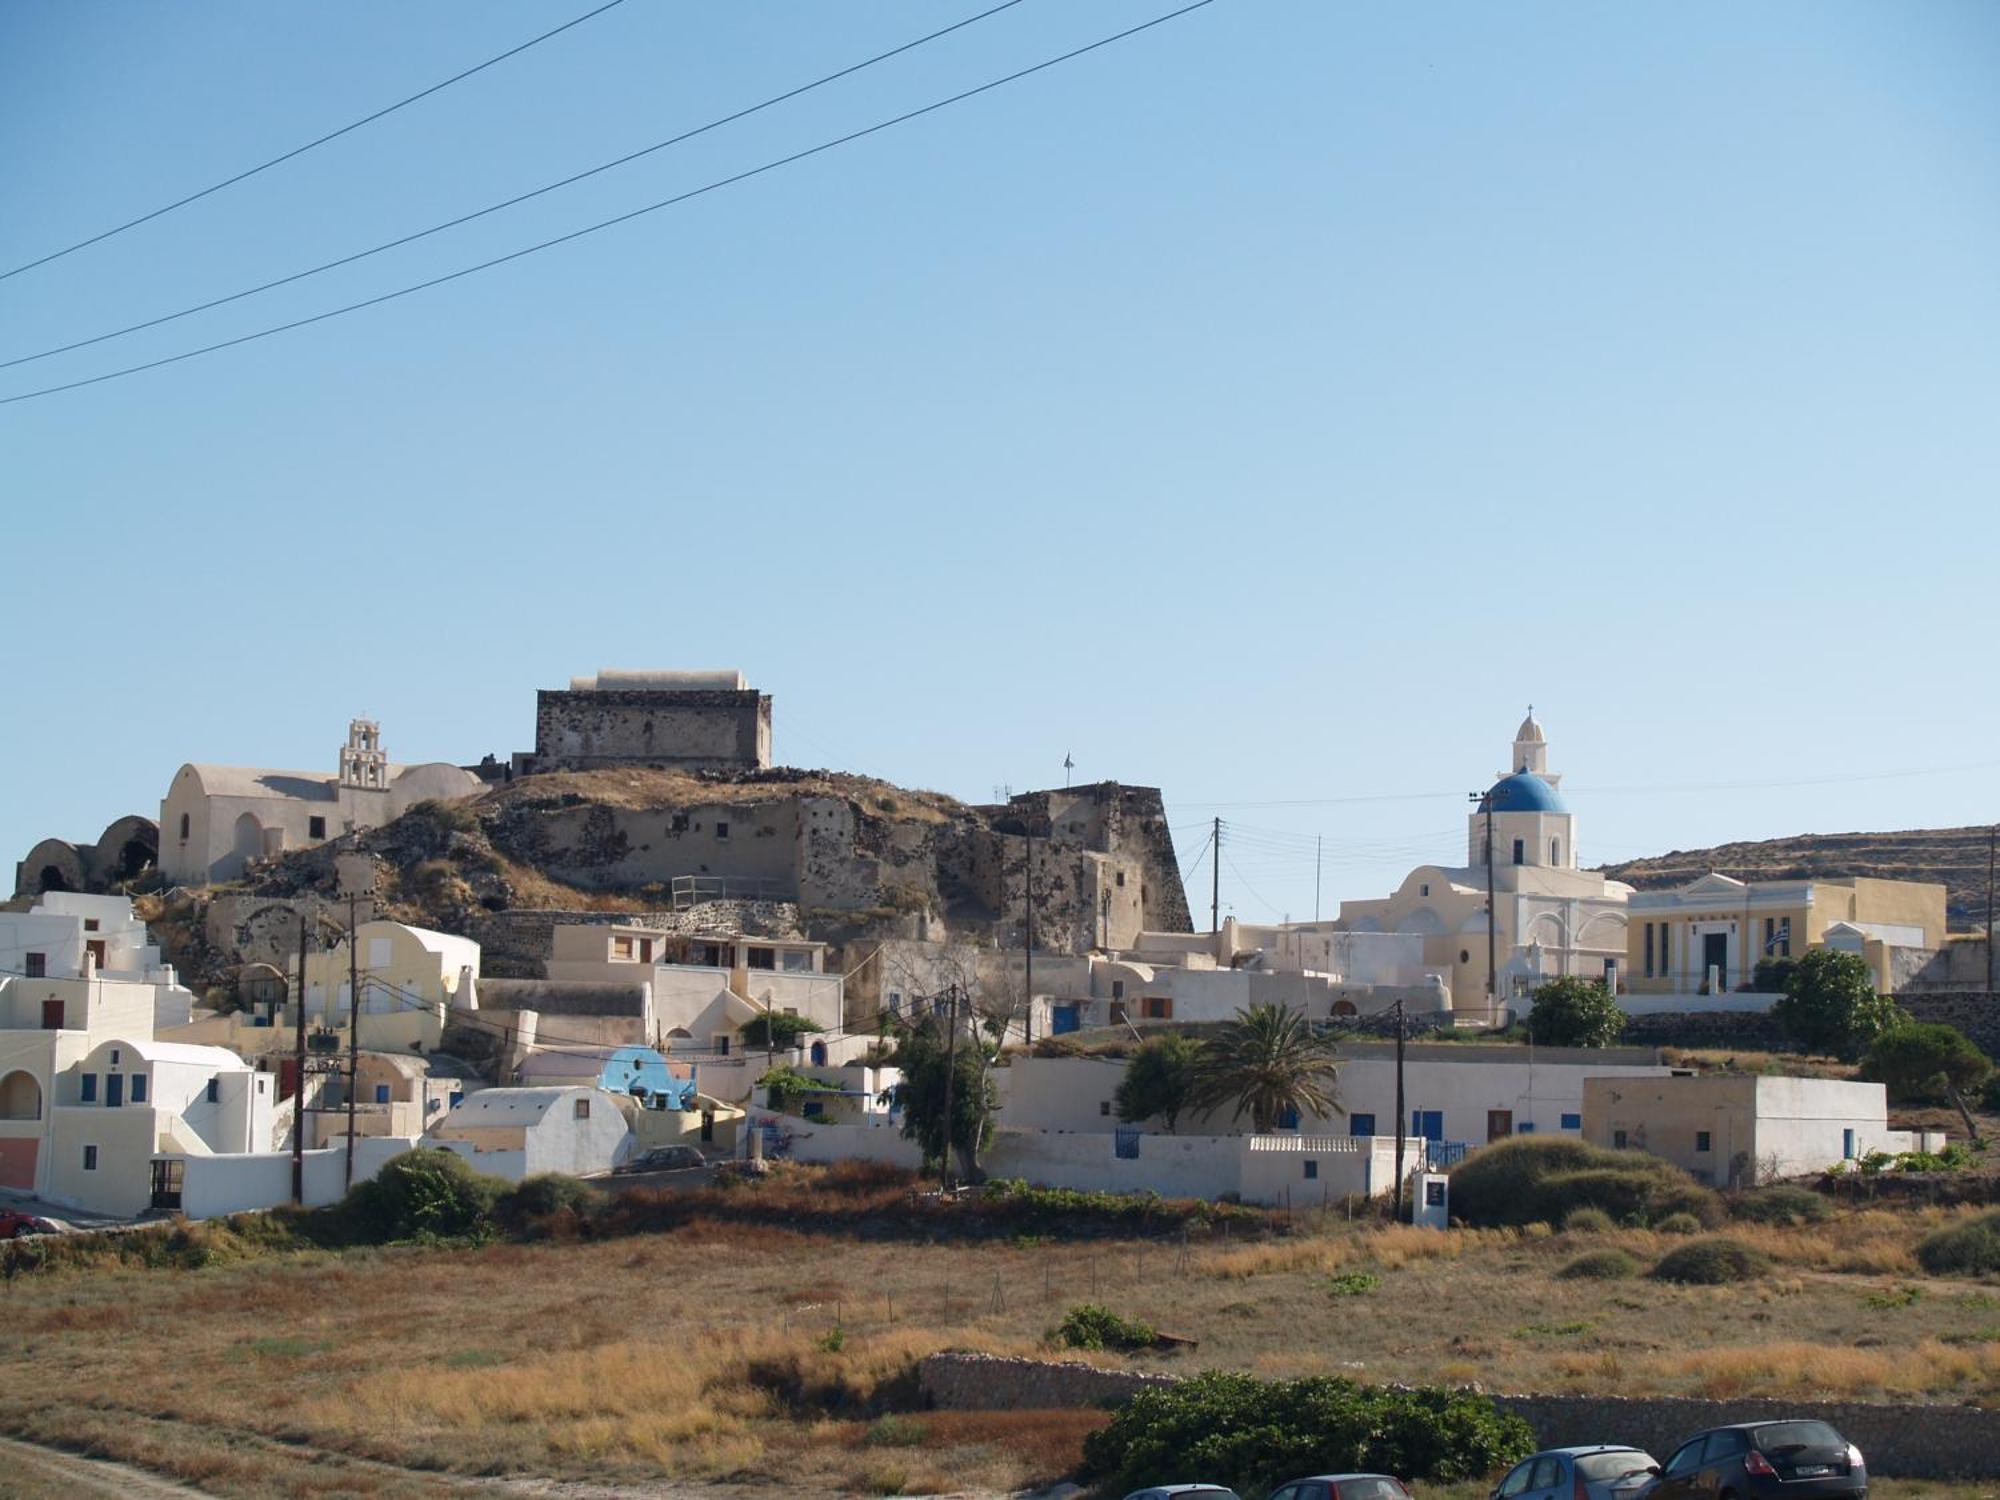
(1708, 935)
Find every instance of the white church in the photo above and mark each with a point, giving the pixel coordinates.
(1551, 917)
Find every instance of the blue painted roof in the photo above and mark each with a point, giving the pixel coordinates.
(1523, 792)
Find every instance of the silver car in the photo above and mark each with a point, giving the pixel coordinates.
(1602, 1471)
(1183, 1492)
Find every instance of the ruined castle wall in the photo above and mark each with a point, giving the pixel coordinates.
(691, 730)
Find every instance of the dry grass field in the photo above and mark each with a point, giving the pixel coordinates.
(763, 1356)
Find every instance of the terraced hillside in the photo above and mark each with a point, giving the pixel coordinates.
(1955, 857)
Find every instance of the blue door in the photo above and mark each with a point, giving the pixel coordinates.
(1063, 1018)
(114, 1090)
(1428, 1123)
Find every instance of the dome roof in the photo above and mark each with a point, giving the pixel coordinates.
(1530, 733)
(1523, 792)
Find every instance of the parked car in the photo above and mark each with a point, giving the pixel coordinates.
(1601, 1471)
(14, 1224)
(1800, 1459)
(1183, 1492)
(1342, 1487)
(666, 1159)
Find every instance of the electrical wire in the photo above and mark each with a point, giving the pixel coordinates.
(296, 151)
(624, 218)
(493, 208)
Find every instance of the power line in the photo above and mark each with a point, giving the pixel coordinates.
(332, 135)
(602, 224)
(493, 208)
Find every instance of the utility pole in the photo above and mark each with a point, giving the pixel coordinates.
(1319, 850)
(299, 1076)
(1401, 1123)
(950, 1076)
(1028, 903)
(1215, 878)
(1485, 801)
(353, 1030)
(1991, 833)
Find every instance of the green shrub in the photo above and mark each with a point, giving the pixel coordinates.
(422, 1194)
(895, 1432)
(1600, 1265)
(1252, 1434)
(1682, 1223)
(1968, 1248)
(1717, 1261)
(1352, 1283)
(1524, 1180)
(1093, 1327)
(787, 1087)
(783, 1030)
(525, 1208)
(1574, 1012)
(1781, 1205)
(1588, 1221)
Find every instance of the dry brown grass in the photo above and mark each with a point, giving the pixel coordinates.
(747, 1354)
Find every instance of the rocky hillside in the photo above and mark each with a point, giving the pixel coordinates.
(1953, 857)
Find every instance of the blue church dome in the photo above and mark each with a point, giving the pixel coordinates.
(1523, 792)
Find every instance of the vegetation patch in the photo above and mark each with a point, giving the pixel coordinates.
(1780, 1205)
(1600, 1265)
(1252, 1434)
(1588, 1221)
(1527, 1181)
(1352, 1283)
(1968, 1248)
(1716, 1261)
(1091, 1326)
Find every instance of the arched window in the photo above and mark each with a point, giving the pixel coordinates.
(184, 825)
(1555, 851)
(20, 1097)
(819, 1054)
(1520, 852)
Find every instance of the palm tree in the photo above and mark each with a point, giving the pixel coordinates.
(1269, 1064)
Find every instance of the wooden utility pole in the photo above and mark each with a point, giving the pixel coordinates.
(353, 1030)
(1215, 878)
(299, 1075)
(1028, 904)
(1484, 800)
(1400, 1121)
(950, 1076)
(1991, 833)
(1319, 850)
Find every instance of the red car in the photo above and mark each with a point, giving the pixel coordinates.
(14, 1224)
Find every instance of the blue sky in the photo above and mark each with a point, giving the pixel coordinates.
(1266, 408)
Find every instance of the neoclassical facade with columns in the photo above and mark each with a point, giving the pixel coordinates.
(1550, 917)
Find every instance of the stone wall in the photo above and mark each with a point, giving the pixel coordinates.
(515, 944)
(1907, 1441)
(692, 730)
(992, 1382)
(1746, 1031)
(1975, 1014)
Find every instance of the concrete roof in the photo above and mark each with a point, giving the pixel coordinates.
(569, 997)
(180, 1052)
(508, 1106)
(261, 781)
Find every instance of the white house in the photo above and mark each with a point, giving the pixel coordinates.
(1732, 1130)
(516, 1133)
(128, 1100)
(71, 937)
(215, 819)
(1456, 1095)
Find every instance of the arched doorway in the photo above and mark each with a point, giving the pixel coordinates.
(1343, 1008)
(249, 837)
(819, 1060)
(50, 879)
(20, 1097)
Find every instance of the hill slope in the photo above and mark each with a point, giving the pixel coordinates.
(1953, 857)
